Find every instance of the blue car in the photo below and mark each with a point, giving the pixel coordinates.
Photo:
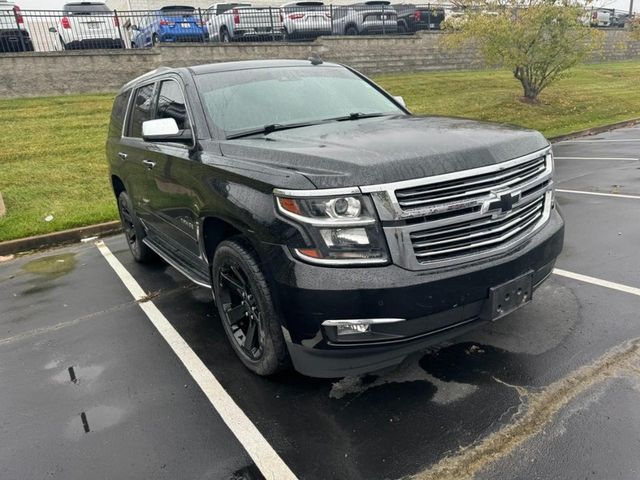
(169, 25)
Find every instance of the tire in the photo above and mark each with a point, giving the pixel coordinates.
(402, 28)
(133, 231)
(244, 304)
(133, 45)
(224, 35)
(155, 40)
(351, 30)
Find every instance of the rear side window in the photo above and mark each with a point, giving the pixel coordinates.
(118, 113)
(171, 104)
(142, 110)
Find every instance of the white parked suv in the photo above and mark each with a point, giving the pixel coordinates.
(242, 21)
(89, 25)
(306, 19)
(14, 37)
(372, 17)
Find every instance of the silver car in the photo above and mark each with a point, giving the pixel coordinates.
(306, 19)
(368, 18)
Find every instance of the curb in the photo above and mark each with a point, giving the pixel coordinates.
(73, 235)
(595, 130)
(57, 239)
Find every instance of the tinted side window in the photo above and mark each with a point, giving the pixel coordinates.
(141, 110)
(171, 104)
(118, 113)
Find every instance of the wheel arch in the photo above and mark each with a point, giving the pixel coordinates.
(117, 185)
(214, 231)
(351, 25)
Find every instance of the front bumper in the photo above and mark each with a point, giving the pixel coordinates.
(436, 304)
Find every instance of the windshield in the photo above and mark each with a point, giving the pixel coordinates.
(244, 100)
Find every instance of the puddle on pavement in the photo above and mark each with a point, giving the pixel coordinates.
(78, 375)
(93, 420)
(53, 266)
(409, 371)
(47, 269)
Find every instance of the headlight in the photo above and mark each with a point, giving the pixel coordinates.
(343, 226)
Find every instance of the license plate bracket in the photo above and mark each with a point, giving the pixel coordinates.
(504, 299)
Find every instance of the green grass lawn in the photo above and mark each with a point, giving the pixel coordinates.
(52, 155)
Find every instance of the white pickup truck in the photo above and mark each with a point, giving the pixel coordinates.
(243, 22)
(599, 17)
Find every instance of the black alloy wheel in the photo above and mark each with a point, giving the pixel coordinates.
(244, 304)
(241, 311)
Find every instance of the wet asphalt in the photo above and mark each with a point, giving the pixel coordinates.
(89, 389)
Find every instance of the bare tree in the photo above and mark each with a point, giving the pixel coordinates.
(539, 40)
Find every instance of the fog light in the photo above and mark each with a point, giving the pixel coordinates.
(352, 329)
(356, 327)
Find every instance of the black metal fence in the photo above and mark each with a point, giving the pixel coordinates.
(85, 28)
(56, 30)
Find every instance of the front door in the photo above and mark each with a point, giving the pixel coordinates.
(172, 201)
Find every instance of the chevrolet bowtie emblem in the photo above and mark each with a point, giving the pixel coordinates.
(505, 202)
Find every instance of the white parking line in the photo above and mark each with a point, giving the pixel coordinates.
(596, 281)
(595, 158)
(602, 140)
(263, 455)
(616, 195)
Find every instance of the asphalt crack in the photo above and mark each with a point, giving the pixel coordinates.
(538, 410)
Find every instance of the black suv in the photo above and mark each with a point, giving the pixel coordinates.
(337, 231)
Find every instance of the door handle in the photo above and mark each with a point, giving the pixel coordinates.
(122, 155)
(149, 164)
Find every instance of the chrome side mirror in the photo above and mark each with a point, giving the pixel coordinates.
(400, 100)
(164, 130)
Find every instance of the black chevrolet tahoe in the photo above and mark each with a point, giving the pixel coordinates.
(337, 231)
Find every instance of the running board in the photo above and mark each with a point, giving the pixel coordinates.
(175, 262)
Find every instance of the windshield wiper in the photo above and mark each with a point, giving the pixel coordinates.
(267, 129)
(357, 116)
(276, 127)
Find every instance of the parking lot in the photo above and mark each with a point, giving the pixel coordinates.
(111, 369)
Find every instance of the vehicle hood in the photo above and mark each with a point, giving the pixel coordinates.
(385, 149)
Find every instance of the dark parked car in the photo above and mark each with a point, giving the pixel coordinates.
(412, 18)
(14, 37)
(619, 20)
(338, 231)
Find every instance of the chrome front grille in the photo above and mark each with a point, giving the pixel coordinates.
(477, 235)
(463, 216)
(470, 187)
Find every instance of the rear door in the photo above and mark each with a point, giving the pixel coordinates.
(132, 153)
